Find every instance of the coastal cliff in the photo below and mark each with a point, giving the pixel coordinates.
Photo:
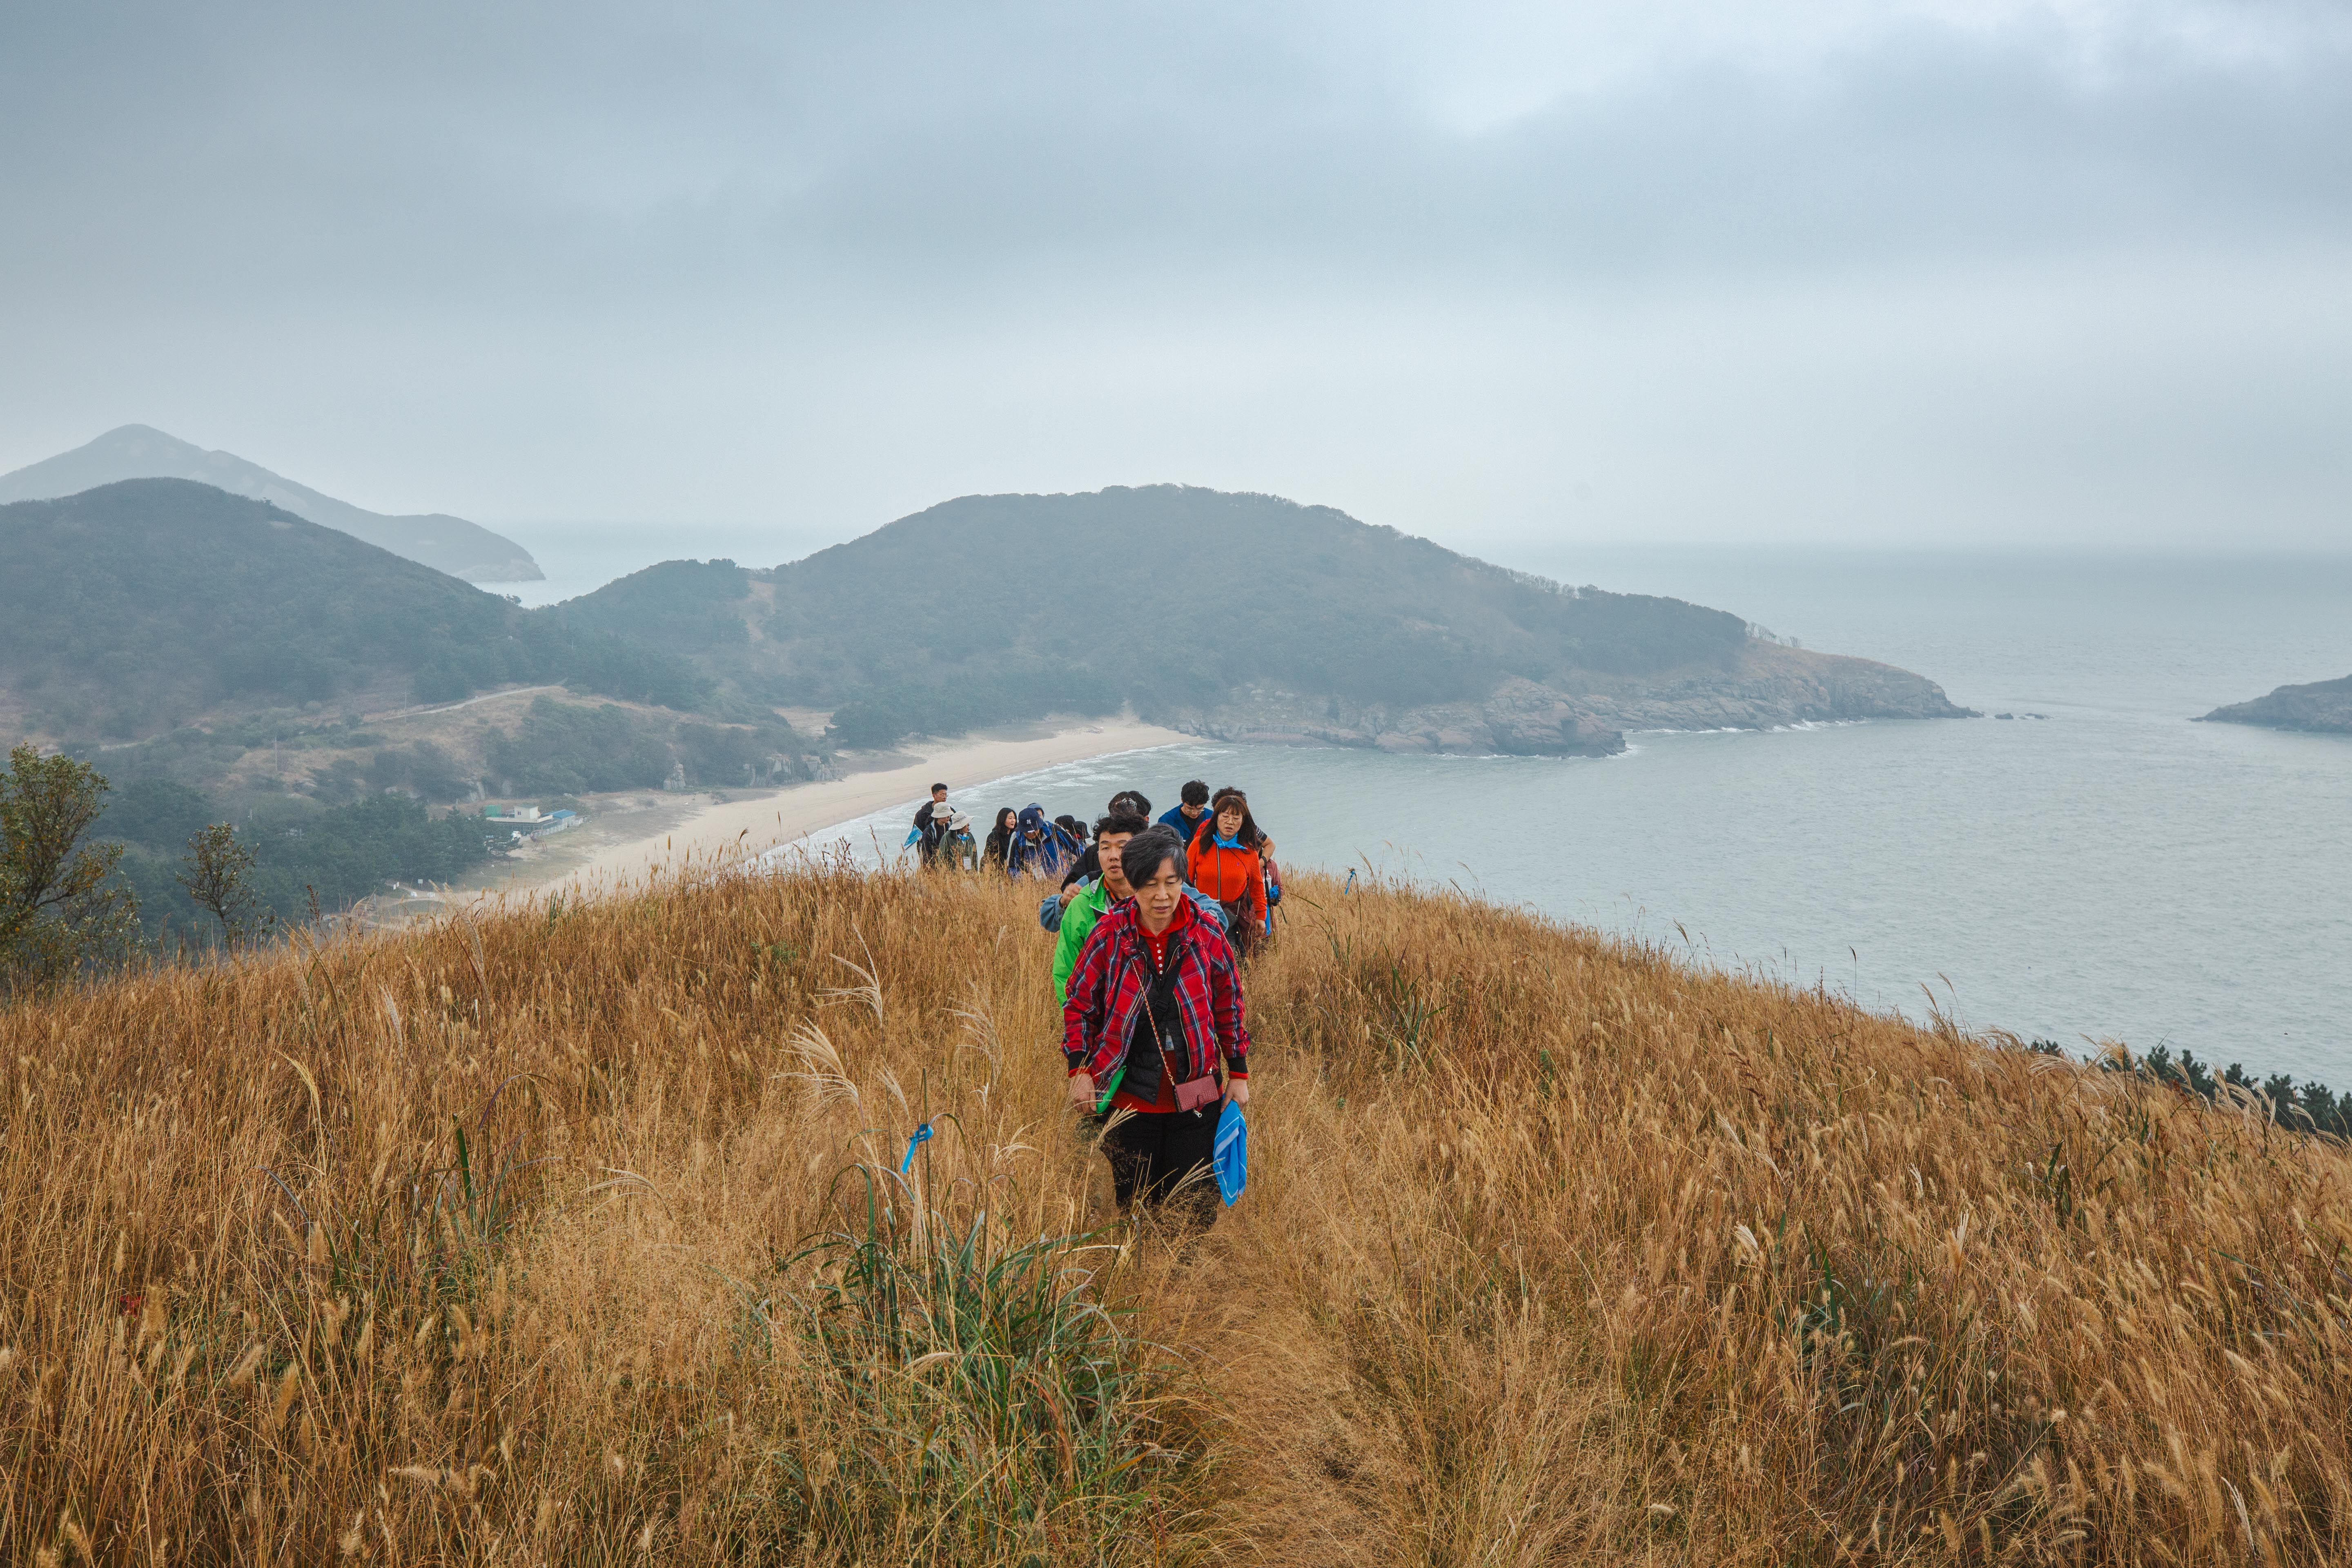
(2325, 706)
(1764, 686)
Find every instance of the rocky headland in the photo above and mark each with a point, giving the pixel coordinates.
(1762, 686)
(2325, 706)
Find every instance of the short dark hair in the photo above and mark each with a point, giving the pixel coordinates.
(939, 789)
(1125, 822)
(1195, 793)
(1142, 856)
(1136, 802)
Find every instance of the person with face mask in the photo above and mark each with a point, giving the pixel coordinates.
(1154, 1011)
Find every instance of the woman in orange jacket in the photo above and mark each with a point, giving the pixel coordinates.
(1226, 861)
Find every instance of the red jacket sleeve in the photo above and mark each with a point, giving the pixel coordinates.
(1082, 1014)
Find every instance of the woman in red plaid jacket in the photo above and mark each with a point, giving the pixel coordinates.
(1155, 1007)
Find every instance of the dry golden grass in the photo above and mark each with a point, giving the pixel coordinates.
(487, 1244)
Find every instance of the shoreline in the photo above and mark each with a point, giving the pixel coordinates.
(750, 828)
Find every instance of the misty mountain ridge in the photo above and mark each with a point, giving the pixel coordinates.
(1232, 615)
(446, 543)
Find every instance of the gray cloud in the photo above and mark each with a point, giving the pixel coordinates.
(1808, 270)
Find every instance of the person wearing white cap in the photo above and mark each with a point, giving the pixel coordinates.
(955, 849)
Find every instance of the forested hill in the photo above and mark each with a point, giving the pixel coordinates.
(1241, 616)
(1250, 587)
(137, 605)
(1167, 597)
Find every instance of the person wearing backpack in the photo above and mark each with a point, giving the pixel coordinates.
(1039, 846)
(1155, 1008)
(1226, 864)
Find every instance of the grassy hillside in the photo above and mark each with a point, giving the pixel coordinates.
(995, 607)
(575, 1235)
(133, 607)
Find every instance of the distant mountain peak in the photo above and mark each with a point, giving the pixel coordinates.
(144, 440)
(446, 543)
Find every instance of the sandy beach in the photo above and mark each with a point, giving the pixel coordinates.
(748, 826)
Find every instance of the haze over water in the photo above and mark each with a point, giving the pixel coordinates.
(2113, 872)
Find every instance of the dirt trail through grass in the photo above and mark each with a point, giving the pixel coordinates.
(578, 1235)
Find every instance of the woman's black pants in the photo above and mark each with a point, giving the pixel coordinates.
(1152, 1151)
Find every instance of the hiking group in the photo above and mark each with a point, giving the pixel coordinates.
(1151, 921)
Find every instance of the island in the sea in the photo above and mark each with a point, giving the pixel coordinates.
(2325, 706)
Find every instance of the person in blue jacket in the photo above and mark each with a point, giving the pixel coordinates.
(1040, 847)
(1191, 810)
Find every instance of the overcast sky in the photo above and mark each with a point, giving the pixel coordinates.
(2013, 271)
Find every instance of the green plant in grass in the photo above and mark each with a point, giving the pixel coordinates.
(436, 1234)
(982, 1399)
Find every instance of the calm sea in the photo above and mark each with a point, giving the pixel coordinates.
(2111, 872)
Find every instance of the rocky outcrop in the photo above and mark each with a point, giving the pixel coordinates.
(1765, 686)
(1521, 719)
(2323, 705)
(1768, 685)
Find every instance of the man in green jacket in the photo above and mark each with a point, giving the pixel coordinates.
(1078, 918)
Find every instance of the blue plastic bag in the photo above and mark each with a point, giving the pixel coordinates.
(1231, 1153)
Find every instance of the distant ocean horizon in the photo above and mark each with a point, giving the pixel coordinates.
(2109, 872)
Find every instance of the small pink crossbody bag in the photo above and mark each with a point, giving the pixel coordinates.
(1192, 1094)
